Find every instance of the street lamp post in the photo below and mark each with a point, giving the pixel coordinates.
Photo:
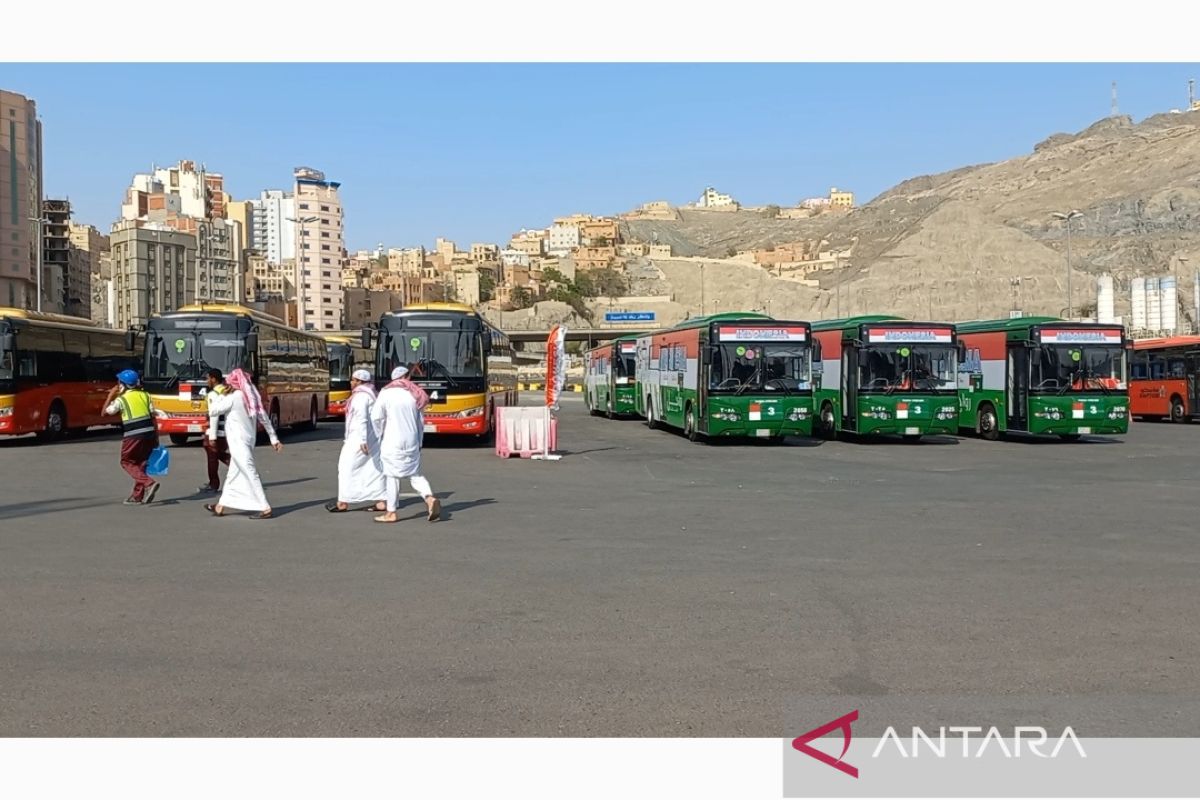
(703, 304)
(1067, 217)
(301, 221)
(40, 243)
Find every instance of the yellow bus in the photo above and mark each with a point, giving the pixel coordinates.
(464, 362)
(345, 356)
(289, 367)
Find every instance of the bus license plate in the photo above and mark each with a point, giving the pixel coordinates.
(911, 431)
(430, 428)
(194, 429)
(1085, 430)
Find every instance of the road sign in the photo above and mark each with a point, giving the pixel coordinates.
(629, 316)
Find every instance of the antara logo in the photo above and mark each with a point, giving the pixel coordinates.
(841, 723)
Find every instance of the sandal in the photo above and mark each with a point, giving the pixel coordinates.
(212, 509)
(435, 511)
(375, 509)
(332, 508)
(264, 515)
(383, 521)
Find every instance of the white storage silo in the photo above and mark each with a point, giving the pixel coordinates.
(1137, 303)
(1170, 305)
(1153, 304)
(1104, 299)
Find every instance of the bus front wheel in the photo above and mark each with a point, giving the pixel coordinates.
(1178, 413)
(56, 422)
(689, 424)
(179, 439)
(826, 427)
(989, 424)
(1070, 437)
(651, 422)
(311, 423)
(609, 412)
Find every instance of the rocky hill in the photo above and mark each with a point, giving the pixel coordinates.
(949, 245)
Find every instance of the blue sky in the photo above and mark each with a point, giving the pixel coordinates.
(476, 152)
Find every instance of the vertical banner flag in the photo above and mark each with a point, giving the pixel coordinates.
(556, 365)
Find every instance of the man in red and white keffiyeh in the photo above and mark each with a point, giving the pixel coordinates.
(239, 380)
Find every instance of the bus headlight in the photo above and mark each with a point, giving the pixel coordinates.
(470, 412)
(158, 412)
(6, 411)
(877, 413)
(1117, 412)
(727, 415)
(946, 412)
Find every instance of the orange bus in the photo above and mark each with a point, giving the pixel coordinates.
(55, 372)
(1164, 378)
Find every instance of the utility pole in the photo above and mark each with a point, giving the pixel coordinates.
(41, 242)
(300, 221)
(1067, 217)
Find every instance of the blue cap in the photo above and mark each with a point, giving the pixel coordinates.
(128, 377)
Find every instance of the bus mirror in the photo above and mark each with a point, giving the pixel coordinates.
(252, 342)
(707, 356)
(130, 339)
(366, 338)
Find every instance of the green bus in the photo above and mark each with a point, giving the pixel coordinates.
(887, 375)
(1044, 375)
(609, 378)
(724, 375)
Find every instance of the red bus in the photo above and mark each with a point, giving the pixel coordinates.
(55, 372)
(1164, 378)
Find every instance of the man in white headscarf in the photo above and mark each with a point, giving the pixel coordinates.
(400, 423)
(360, 473)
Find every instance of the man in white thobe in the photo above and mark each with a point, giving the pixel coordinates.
(243, 411)
(360, 474)
(400, 424)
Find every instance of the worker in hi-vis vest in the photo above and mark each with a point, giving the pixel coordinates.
(216, 448)
(131, 401)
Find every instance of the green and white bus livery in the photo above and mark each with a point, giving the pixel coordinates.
(887, 375)
(609, 380)
(1044, 375)
(734, 374)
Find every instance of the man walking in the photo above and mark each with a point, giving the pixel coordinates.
(360, 476)
(140, 437)
(401, 425)
(216, 447)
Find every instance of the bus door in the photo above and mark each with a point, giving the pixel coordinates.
(849, 386)
(1193, 380)
(1017, 398)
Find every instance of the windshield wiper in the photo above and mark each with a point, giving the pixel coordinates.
(754, 375)
(179, 373)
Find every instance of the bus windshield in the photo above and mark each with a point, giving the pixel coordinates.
(340, 366)
(7, 358)
(437, 355)
(908, 368)
(1063, 368)
(187, 354)
(763, 366)
(623, 364)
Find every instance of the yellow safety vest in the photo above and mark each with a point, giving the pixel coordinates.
(221, 388)
(137, 415)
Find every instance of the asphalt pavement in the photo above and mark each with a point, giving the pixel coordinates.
(641, 586)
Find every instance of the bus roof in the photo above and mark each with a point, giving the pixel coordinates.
(853, 322)
(1014, 324)
(1163, 342)
(228, 308)
(40, 316)
(460, 308)
(704, 322)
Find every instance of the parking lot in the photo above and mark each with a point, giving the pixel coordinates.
(641, 586)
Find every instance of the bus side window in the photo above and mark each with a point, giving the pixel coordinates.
(1139, 369)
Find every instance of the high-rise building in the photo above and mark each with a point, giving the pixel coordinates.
(20, 199)
(56, 255)
(320, 248)
(273, 233)
(90, 248)
(153, 270)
